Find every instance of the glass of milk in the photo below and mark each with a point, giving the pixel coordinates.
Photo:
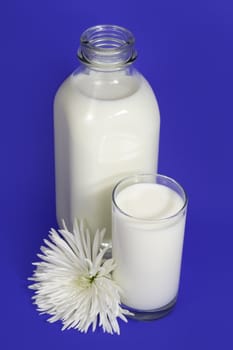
(148, 222)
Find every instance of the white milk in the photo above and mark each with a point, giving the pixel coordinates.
(148, 252)
(106, 127)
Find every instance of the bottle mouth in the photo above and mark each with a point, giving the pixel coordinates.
(107, 45)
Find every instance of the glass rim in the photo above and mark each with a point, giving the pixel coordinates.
(149, 220)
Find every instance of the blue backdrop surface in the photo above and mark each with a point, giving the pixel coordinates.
(186, 52)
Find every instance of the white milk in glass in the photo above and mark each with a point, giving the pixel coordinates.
(147, 247)
(106, 120)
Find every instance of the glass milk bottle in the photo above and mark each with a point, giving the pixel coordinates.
(106, 121)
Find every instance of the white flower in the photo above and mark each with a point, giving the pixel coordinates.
(73, 282)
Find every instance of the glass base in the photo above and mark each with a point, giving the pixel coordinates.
(149, 315)
(108, 254)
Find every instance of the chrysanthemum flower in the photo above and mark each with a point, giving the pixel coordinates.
(73, 282)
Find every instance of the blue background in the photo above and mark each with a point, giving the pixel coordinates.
(186, 52)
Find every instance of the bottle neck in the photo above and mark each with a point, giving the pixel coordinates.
(107, 47)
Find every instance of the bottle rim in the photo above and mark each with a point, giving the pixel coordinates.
(107, 45)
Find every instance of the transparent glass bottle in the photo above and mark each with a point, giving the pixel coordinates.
(106, 121)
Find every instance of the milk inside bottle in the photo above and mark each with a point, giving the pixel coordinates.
(106, 122)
